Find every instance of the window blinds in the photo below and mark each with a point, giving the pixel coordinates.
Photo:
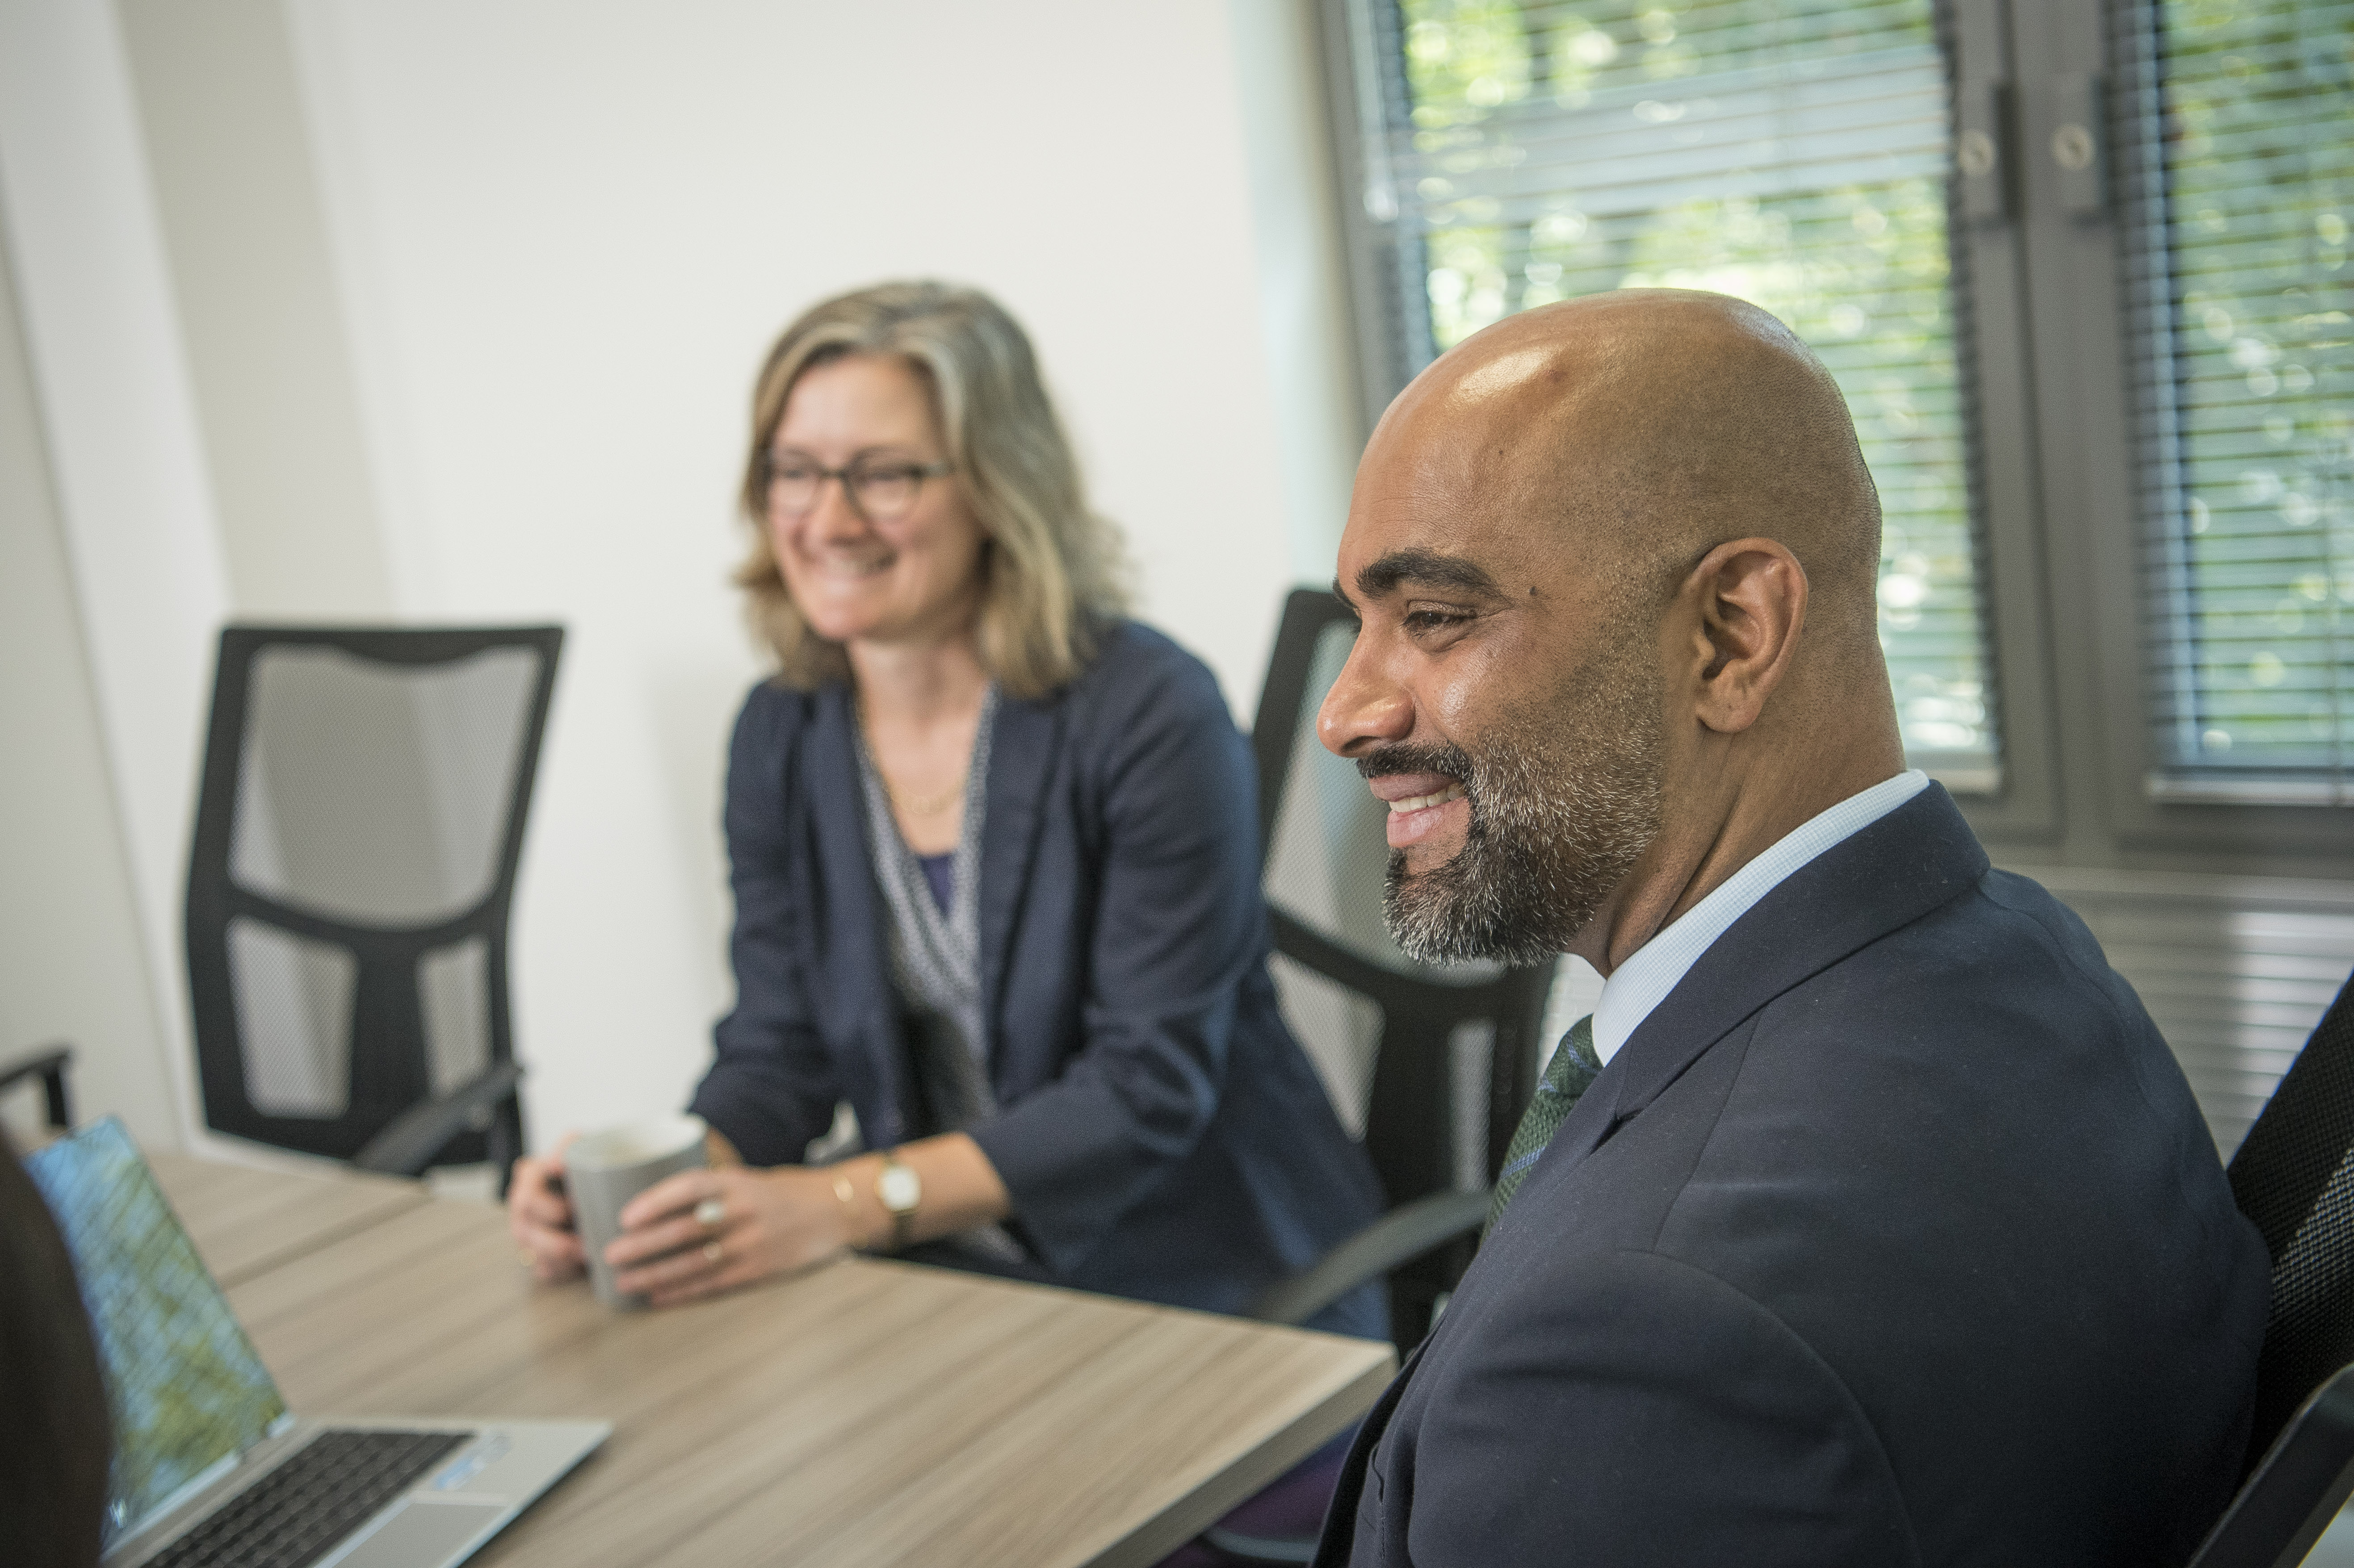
(2237, 181)
(1789, 152)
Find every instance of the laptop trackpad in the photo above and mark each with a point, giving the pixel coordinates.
(421, 1535)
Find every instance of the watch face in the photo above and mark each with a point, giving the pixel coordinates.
(899, 1188)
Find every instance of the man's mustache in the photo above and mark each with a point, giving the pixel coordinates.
(1404, 758)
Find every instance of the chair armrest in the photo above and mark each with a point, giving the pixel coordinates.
(407, 1144)
(2296, 1491)
(1402, 1235)
(49, 1063)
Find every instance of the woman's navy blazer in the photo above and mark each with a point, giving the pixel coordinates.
(1162, 1134)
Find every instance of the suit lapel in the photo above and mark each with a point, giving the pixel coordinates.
(1021, 751)
(1919, 856)
(856, 949)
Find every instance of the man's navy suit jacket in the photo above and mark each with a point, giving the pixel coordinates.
(1164, 1136)
(1892, 1236)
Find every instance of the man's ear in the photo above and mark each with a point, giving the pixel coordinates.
(1751, 599)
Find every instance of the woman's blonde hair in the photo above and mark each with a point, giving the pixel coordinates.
(1051, 570)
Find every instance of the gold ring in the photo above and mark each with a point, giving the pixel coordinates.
(709, 1212)
(712, 1252)
(524, 1256)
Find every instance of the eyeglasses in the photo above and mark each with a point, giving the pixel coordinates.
(880, 490)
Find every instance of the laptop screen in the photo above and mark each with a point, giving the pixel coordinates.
(187, 1389)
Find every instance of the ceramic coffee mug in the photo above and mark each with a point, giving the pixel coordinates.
(603, 1170)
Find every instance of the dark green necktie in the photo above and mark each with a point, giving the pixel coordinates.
(1572, 1067)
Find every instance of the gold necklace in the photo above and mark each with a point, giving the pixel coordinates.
(923, 805)
(914, 805)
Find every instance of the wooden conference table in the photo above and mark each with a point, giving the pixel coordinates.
(866, 1413)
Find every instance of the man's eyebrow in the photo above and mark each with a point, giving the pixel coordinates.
(1429, 568)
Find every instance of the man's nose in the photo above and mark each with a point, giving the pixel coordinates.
(1363, 709)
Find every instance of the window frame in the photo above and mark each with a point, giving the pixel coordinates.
(1372, 243)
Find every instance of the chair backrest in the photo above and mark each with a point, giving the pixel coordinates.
(357, 832)
(2293, 1178)
(1437, 1061)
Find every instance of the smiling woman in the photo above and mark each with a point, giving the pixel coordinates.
(995, 863)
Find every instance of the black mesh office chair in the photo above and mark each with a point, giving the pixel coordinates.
(1443, 1059)
(358, 831)
(2294, 1178)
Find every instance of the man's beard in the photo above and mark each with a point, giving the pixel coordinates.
(1563, 799)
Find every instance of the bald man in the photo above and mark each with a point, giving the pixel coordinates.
(1868, 1221)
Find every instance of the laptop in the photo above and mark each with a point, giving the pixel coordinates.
(209, 1465)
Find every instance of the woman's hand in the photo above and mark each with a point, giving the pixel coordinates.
(540, 1216)
(701, 1232)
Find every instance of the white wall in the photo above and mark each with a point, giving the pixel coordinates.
(555, 237)
(71, 963)
(126, 474)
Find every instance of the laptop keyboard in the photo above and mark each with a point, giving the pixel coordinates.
(303, 1509)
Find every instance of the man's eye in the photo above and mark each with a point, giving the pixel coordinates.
(1433, 619)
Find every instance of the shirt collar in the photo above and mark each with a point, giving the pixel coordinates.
(1656, 968)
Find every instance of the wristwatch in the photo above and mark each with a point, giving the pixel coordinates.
(898, 1189)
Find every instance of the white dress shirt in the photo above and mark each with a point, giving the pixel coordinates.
(1655, 968)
